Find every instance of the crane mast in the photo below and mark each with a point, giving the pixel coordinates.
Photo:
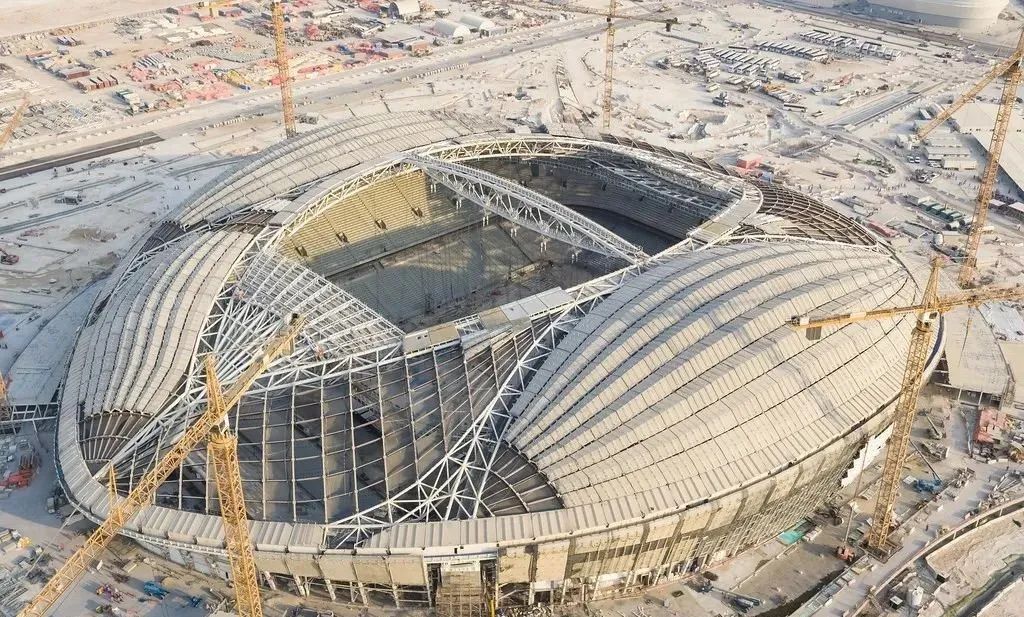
(969, 267)
(283, 74)
(12, 124)
(609, 42)
(609, 67)
(145, 489)
(927, 311)
(1011, 69)
(222, 450)
(6, 409)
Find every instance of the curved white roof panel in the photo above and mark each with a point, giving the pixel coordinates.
(689, 377)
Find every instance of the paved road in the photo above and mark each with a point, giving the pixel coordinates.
(357, 85)
(82, 154)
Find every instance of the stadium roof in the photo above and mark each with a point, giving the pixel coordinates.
(674, 378)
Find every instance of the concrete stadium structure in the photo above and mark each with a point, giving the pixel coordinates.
(965, 14)
(542, 367)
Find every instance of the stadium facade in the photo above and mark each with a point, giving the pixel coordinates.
(964, 14)
(544, 367)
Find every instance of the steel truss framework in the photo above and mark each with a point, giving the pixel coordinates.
(345, 342)
(528, 208)
(682, 170)
(451, 488)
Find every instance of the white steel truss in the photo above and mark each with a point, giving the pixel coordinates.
(691, 172)
(453, 487)
(528, 208)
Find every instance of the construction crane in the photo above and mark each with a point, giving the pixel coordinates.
(932, 305)
(6, 409)
(12, 124)
(1011, 69)
(283, 74)
(610, 17)
(222, 450)
(145, 489)
(8, 258)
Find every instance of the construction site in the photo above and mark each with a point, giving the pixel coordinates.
(511, 309)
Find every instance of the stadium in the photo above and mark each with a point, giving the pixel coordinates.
(534, 367)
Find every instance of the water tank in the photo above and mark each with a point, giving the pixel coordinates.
(915, 597)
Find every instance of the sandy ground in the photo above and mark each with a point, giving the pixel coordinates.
(22, 16)
(651, 105)
(1008, 604)
(971, 559)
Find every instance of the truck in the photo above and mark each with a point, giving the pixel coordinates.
(154, 590)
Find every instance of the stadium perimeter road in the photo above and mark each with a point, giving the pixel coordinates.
(82, 154)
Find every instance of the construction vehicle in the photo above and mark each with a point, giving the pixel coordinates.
(154, 590)
(283, 74)
(610, 17)
(144, 489)
(846, 553)
(216, 4)
(927, 485)
(8, 132)
(7, 258)
(927, 312)
(1011, 70)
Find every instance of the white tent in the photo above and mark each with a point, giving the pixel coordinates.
(451, 29)
(476, 22)
(403, 9)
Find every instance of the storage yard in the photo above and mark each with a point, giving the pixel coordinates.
(497, 336)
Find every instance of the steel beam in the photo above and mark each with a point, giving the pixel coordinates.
(528, 208)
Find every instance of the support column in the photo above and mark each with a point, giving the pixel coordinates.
(362, 594)
(531, 599)
(330, 589)
(300, 585)
(394, 594)
(268, 578)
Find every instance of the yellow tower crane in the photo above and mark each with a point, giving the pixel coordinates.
(610, 17)
(283, 74)
(932, 305)
(12, 124)
(1011, 69)
(143, 492)
(222, 449)
(6, 410)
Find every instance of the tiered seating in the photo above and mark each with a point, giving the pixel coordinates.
(618, 193)
(383, 219)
